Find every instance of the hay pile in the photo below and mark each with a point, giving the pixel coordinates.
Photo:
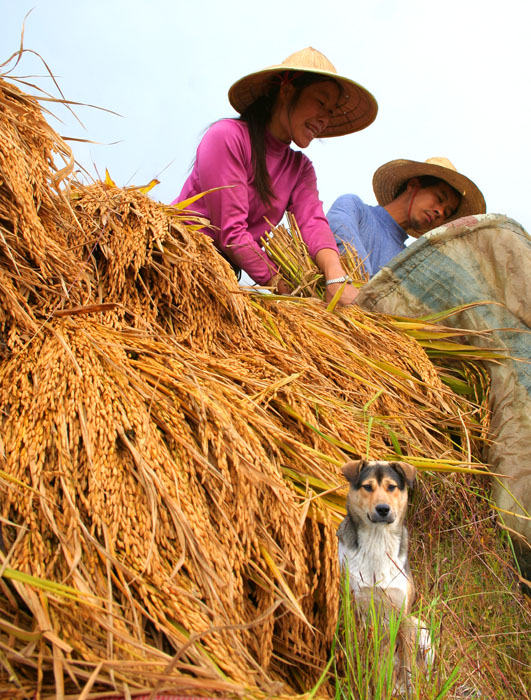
(163, 434)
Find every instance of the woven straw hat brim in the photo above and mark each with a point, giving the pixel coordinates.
(356, 113)
(390, 177)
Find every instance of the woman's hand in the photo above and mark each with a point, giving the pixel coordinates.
(348, 296)
(330, 265)
(279, 285)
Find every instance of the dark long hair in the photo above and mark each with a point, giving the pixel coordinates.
(258, 115)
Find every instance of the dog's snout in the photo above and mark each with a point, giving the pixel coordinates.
(383, 509)
(381, 513)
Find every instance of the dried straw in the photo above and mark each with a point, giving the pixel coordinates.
(163, 437)
(38, 272)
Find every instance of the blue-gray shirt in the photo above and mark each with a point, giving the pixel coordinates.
(370, 230)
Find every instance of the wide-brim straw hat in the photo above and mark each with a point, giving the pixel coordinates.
(390, 177)
(357, 109)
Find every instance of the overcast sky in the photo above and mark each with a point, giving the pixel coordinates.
(451, 79)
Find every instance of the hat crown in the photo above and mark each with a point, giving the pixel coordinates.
(309, 59)
(442, 162)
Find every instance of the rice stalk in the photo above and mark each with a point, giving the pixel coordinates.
(285, 246)
(170, 450)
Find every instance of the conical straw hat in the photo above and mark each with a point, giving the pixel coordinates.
(358, 107)
(390, 177)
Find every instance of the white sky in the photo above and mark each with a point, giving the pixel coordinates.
(451, 78)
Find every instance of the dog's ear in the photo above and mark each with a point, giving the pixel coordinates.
(408, 471)
(351, 470)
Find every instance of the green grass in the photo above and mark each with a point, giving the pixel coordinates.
(364, 658)
(467, 595)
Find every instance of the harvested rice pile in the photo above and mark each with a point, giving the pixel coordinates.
(162, 434)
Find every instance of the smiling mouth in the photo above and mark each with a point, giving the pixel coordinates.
(313, 129)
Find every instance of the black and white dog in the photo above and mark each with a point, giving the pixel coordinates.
(373, 546)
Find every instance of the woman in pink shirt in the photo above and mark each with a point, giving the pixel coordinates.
(262, 177)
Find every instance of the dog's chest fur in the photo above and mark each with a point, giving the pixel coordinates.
(375, 555)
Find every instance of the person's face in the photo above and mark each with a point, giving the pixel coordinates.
(432, 205)
(309, 116)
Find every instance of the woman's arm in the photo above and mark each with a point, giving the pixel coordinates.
(328, 262)
(316, 232)
(223, 161)
(330, 265)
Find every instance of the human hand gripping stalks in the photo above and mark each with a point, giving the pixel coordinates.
(373, 553)
(286, 247)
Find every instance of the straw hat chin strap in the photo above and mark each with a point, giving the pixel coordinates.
(416, 188)
(286, 82)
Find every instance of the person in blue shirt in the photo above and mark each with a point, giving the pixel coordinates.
(413, 198)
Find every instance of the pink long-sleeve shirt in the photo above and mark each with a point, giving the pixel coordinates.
(237, 213)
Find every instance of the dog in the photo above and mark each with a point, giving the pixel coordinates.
(373, 546)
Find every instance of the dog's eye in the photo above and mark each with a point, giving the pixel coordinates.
(367, 487)
(391, 487)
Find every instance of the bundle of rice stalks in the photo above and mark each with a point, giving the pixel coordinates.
(38, 270)
(169, 452)
(155, 269)
(284, 245)
(167, 487)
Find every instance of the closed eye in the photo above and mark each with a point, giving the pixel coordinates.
(330, 110)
